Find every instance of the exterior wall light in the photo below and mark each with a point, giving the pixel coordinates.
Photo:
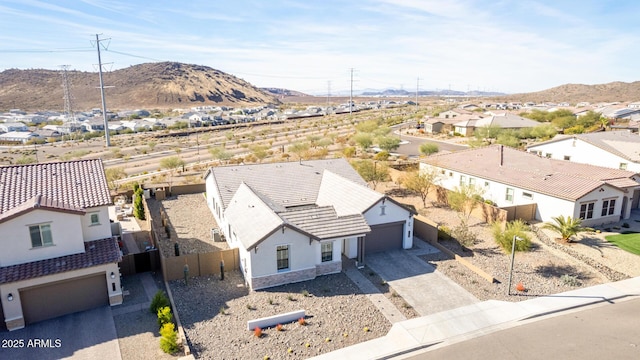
(113, 275)
(10, 297)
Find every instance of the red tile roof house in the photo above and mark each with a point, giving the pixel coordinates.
(511, 177)
(294, 221)
(58, 254)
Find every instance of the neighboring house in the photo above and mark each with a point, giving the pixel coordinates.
(503, 121)
(294, 221)
(58, 254)
(13, 126)
(613, 149)
(634, 105)
(618, 112)
(46, 134)
(18, 137)
(512, 177)
(93, 125)
(440, 125)
(450, 114)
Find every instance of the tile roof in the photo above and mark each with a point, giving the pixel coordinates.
(622, 143)
(78, 184)
(506, 120)
(39, 202)
(562, 179)
(345, 196)
(287, 183)
(323, 223)
(97, 252)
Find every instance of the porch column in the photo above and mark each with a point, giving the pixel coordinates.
(360, 258)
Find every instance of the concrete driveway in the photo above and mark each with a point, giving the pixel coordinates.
(423, 287)
(89, 335)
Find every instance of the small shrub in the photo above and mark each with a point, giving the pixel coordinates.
(305, 293)
(257, 332)
(302, 321)
(223, 310)
(250, 307)
(366, 329)
(625, 225)
(279, 327)
(513, 228)
(464, 235)
(270, 301)
(169, 339)
(291, 298)
(570, 280)
(159, 301)
(164, 316)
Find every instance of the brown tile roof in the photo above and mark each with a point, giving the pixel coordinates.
(39, 202)
(78, 184)
(97, 252)
(558, 178)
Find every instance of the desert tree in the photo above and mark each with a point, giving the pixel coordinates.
(428, 149)
(113, 176)
(300, 149)
(364, 140)
(372, 171)
(465, 198)
(172, 164)
(220, 154)
(388, 143)
(421, 182)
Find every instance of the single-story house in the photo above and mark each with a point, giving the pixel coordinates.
(443, 125)
(22, 137)
(504, 121)
(294, 221)
(58, 253)
(13, 126)
(453, 113)
(510, 177)
(613, 149)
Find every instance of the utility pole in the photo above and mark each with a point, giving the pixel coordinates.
(351, 94)
(328, 96)
(104, 103)
(417, 91)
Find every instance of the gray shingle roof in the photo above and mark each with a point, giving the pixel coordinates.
(323, 222)
(78, 184)
(562, 179)
(287, 184)
(95, 253)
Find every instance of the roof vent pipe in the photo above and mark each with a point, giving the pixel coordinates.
(501, 154)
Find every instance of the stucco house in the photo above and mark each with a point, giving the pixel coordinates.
(58, 255)
(294, 221)
(467, 127)
(613, 149)
(511, 177)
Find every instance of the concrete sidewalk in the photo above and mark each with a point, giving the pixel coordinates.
(407, 337)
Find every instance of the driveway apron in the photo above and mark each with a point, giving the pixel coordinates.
(423, 287)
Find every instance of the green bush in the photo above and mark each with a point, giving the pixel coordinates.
(159, 301)
(464, 235)
(138, 206)
(169, 339)
(164, 316)
(504, 238)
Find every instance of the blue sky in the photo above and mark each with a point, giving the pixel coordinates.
(508, 46)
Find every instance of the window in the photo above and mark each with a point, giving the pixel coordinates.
(472, 181)
(327, 251)
(486, 184)
(586, 210)
(450, 174)
(95, 219)
(548, 155)
(40, 235)
(382, 210)
(282, 255)
(608, 207)
(509, 196)
(567, 157)
(527, 195)
(623, 166)
(463, 179)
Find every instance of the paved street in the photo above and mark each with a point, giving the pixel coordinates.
(606, 331)
(412, 147)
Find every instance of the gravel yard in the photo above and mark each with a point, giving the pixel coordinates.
(192, 221)
(214, 314)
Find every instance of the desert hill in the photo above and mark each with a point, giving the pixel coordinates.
(574, 93)
(150, 85)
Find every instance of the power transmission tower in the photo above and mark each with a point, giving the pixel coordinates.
(104, 103)
(328, 95)
(68, 97)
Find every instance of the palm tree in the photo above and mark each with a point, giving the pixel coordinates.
(566, 227)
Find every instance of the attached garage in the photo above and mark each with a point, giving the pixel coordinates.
(384, 237)
(64, 297)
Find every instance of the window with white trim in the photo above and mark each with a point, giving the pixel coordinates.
(527, 195)
(586, 210)
(567, 157)
(95, 219)
(608, 207)
(509, 195)
(40, 235)
(548, 155)
(623, 166)
(463, 179)
(282, 256)
(472, 181)
(327, 251)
